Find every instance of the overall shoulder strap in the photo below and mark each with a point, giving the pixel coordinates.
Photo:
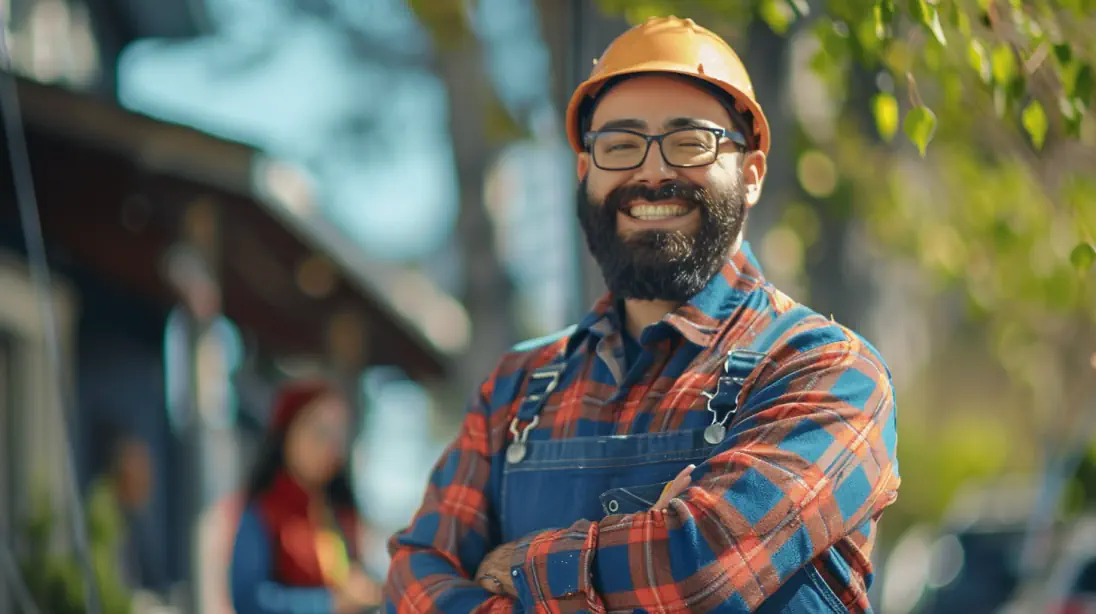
(741, 362)
(542, 382)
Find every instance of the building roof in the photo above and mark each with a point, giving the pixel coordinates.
(269, 215)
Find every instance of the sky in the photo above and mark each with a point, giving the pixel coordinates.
(398, 201)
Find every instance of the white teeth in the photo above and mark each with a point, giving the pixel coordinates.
(657, 212)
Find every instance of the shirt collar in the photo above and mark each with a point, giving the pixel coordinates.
(698, 320)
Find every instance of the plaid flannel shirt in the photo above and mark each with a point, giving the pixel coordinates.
(804, 472)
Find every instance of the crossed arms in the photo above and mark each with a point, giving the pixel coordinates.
(811, 460)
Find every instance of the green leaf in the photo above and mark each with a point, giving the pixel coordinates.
(1034, 119)
(799, 7)
(1083, 257)
(916, 10)
(979, 61)
(1072, 113)
(834, 43)
(777, 14)
(927, 15)
(931, 19)
(1083, 84)
(1064, 53)
(1004, 63)
(885, 109)
(884, 18)
(920, 125)
(823, 65)
(1017, 88)
(865, 46)
(962, 22)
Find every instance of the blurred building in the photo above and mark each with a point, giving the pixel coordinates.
(189, 275)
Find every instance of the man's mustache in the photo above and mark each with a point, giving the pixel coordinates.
(671, 190)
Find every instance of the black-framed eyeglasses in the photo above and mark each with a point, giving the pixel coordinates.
(619, 149)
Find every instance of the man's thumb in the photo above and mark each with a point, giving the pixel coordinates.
(674, 488)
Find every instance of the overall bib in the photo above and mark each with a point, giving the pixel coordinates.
(550, 484)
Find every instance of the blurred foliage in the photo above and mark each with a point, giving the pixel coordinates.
(445, 20)
(55, 578)
(991, 194)
(449, 24)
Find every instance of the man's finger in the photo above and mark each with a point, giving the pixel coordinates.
(492, 584)
(675, 488)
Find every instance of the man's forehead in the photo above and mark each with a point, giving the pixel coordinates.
(672, 123)
(656, 101)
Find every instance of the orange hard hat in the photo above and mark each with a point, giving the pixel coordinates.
(677, 46)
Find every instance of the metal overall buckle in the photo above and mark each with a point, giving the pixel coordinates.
(734, 373)
(517, 450)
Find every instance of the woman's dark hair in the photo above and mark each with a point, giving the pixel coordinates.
(270, 460)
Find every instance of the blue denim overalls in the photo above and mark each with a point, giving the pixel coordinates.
(550, 484)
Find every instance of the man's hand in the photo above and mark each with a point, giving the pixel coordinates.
(674, 488)
(494, 571)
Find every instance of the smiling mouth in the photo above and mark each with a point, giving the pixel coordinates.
(650, 213)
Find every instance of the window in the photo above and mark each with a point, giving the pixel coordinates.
(52, 41)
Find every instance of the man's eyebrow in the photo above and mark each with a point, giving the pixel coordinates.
(690, 122)
(624, 124)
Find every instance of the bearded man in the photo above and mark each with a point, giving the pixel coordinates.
(699, 441)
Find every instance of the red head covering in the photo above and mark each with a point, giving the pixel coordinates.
(294, 396)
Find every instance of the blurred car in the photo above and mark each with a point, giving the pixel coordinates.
(1081, 597)
(1068, 585)
(970, 564)
(973, 571)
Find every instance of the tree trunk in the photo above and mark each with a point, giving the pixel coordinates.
(576, 32)
(487, 289)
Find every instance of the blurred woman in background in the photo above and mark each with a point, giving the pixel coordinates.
(298, 545)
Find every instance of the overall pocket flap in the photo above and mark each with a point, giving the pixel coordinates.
(631, 499)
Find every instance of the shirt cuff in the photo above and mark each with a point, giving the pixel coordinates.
(551, 571)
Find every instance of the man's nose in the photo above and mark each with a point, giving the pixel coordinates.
(654, 170)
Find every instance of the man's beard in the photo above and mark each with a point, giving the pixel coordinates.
(659, 264)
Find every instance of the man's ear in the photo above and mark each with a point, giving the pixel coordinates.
(753, 176)
(582, 166)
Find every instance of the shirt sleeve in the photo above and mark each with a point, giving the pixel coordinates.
(253, 590)
(810, 461)
(436, 557)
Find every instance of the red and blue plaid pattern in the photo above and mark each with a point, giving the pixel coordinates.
(801, 479)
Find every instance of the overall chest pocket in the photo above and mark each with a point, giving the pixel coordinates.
(559, 482)
(638, 493)
(633, 499)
